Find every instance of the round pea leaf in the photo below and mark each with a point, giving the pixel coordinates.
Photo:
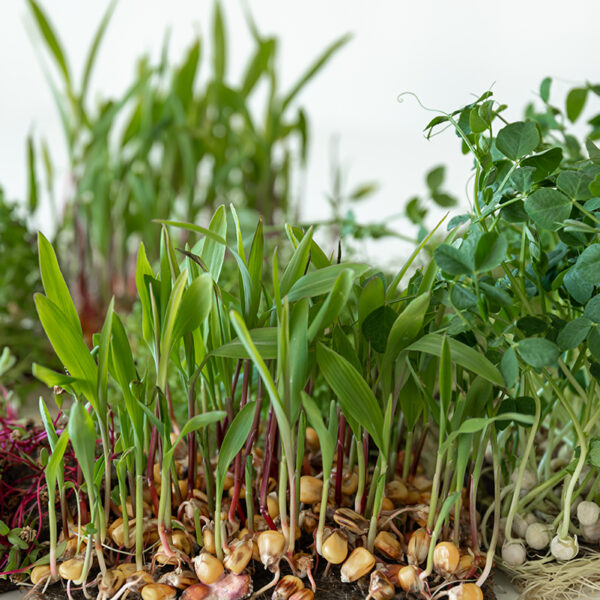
(592, 309)
(574, 333)
(538, 352)
(588, 264)
(517, 140)
(452, 261)
(548, 208)
(490, 251)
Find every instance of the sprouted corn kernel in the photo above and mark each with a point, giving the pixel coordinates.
(239, 558)
(158, 591)
(335, 548)
(39, 573)
(418, 547)
(208, 568)
(357, 565)
(388, 545)
(408, 579)
(287, 586)
(270, 546)
(466, 591)
(310, 489)
(446, 558)
(71, 569)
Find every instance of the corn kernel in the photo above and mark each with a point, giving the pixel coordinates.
(158, 591)
(208, 568)
(310, 489)
(335, 548)
(388, 545)
(239, 558)
(270, 546)
(287, 586)
(446, 558)
(357, 565)
(71, 569)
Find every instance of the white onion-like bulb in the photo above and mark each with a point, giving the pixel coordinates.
(564, 549)
(514, 553)
(520, 526)
(591, 533)
(529, 480)
(588, 513)
(538, 536)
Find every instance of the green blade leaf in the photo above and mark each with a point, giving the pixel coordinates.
(93, 51)
(352, 391)
(235, 437)
(333, 304)
(52, 42)
(463, 355)
(32, 184)
(219, 44)
(264, 340)
(314, 69)
(198, 422)
(54, 284)
(320, 281)
(195, 306)
(405, 328)
(69, 347)
(298, 263)
(327, 439)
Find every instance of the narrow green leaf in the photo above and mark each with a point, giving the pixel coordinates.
(326, 438)
(463, 355)
(334, 303)
(235, 437)
(297, 265)
(47, 32)
(93, 51)
(69, 347)
(32, 184)
(264, 340)
(54, 284)
(352, 391)
(314, 69)
(320, 281)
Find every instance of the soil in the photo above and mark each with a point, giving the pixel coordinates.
(329, 587)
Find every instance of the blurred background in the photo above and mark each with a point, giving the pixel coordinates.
(442, 51)
(116, 113)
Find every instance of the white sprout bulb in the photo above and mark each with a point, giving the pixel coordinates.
(566, 549)
(588, 513)
(519, 526)
(591, 533)
(529, 480)
(514, 554)
(537, 536)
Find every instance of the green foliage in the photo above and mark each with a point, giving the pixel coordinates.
(170, 147)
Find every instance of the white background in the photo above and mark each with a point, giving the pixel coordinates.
(443, 51)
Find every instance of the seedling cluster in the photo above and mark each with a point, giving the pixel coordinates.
(274, 409)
